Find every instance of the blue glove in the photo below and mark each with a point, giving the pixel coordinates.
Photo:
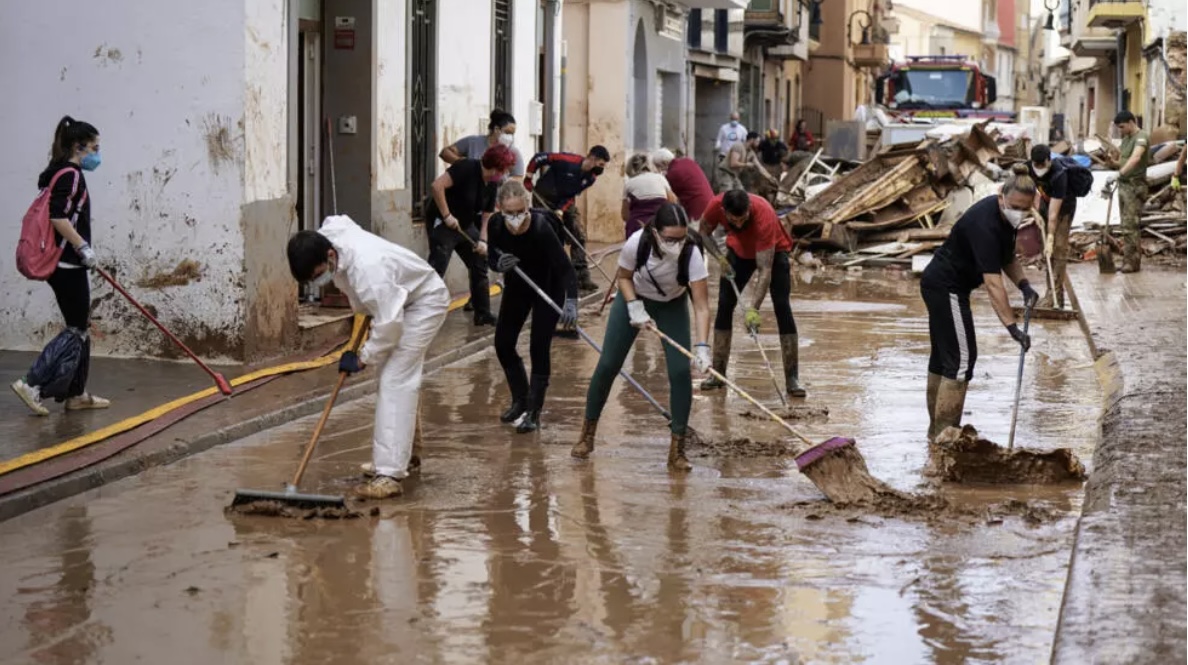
(349, 363)
(569, 314)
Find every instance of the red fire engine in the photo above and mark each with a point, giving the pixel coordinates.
(938, 86)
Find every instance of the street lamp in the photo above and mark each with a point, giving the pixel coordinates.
(1050, 25)
(866, 22)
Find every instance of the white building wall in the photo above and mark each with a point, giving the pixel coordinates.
(163, 83)
(963, 14)
(464, 60)
(524, 63)
(391, 113)
(1164, 16)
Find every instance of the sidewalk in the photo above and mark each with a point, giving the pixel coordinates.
(1126, 592)
(135, 386)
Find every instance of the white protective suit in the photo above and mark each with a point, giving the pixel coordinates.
(407, 303)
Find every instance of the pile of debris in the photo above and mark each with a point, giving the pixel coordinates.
(899, 203)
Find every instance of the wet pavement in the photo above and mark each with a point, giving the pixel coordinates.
(507, 549)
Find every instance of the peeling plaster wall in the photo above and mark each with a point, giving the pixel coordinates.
(463, 70)
(164, 84)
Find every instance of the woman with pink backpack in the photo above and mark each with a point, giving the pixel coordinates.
(60, 371)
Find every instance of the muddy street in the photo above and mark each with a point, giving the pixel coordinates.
(507, 550)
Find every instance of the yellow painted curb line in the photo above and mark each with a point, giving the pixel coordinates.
(102, 434)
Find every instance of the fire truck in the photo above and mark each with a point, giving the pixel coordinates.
(938, 86)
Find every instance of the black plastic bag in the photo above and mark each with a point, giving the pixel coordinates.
(61, 370)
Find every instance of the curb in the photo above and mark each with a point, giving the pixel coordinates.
(312, 402)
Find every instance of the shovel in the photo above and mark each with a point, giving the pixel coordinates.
(1019, 381)
(1105, 248)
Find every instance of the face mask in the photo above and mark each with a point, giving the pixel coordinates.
(669, 248)
(1013, 217)
(91, 161)
(507, 139)
(324, 279)
(1041, 172)
(515, 222)
(734, 123)
(597, 170)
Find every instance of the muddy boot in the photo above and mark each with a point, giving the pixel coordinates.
(721, 356)
(950, 403)
(585, 284)
(676, 454)
(585, 444)
(380, 487)
(1131, 261)
(414, 462)
(790, 346)
(934, 381)
(536, 396)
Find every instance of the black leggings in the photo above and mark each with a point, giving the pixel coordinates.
(443, 243)
(518, 301)
(72, 288)
(781, 291)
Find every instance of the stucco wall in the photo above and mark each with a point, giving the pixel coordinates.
(1166, 16)
(164, 83)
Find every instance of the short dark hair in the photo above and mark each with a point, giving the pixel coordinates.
(307, 250)
(736, 202)
(751, 136)
(1041, 154)
(1124, 116)
(599, 152)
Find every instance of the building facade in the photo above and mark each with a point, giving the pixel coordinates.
(222, 125)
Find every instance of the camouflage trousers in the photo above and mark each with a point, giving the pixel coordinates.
(1132, 196)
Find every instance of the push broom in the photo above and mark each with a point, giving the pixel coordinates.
(835, 466)
(290, 497)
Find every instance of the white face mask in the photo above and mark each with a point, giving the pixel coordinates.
(325, 278)
(1013, 217)
(1041, 171)
(671, 249)
(507, 139)
(516, 222)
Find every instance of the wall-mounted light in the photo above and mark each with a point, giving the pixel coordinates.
(866, 20)
(1051, 24)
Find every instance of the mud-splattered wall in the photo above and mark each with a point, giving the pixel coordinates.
(164, 84)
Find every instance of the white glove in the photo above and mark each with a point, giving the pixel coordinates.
(638, 313)
(702, 362)
(451, 221)
(86, 254)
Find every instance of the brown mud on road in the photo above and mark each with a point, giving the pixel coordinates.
(504, 549)
(961, 456)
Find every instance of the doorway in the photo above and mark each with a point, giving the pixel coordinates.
(309, 122)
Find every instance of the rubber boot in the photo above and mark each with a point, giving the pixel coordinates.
(790, 346)
(676, 454)
(414, 462)
(536, 396)
(519, 405)
(585, 284)
(585, 444)
(1131, 260)
(720, 358)
(934, 381)
(950, 404)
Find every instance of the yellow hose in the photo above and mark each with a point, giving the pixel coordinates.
(38, 456)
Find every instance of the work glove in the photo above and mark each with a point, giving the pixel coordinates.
(451, 222)
(1176, 183)
(506, 262)
(638, 313)
(86, 254)
(1049, 244)
(569, 314)
(1030, 297)
(701, 361)
(1019, 336)
(752, 320)
(727, 269)
(349, 363)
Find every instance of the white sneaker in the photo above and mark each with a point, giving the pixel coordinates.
(31, 396)
(86, 401)
(367, 469)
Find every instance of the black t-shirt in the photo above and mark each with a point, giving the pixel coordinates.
(1054, 185)
(981, 242)
(469, 196)
(68, 200)
(772, 151)
(541, 255)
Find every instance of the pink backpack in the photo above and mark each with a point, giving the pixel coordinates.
(37, 254)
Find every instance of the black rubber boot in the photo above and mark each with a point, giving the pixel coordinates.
(585, 284)
(720, 358)
(536, 396)
(484, 319)
(513, 412)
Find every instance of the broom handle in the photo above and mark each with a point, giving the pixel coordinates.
(1019, 382)
(771, 414)
(755, 336)
(574, 240)
(356, 340)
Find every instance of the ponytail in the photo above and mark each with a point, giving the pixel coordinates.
(67, 135)
(1020, 180)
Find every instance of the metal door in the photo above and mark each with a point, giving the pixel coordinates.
(422, 104)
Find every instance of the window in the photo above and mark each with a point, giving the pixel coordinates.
(501, 38)
(721, 30)
(422, 117)
(693, 34)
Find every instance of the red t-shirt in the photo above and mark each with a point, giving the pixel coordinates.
(690, 185)
(761, 233)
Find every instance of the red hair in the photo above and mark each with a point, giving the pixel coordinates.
(499, 158)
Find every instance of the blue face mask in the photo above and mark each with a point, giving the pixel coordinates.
(91, 161)
(734, 123)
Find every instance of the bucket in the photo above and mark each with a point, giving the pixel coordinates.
(1029, 243)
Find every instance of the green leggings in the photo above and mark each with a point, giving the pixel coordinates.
(673, 320)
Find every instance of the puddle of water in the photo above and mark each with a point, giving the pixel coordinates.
(506, 549)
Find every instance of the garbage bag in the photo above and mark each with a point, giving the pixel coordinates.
(61, 370)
